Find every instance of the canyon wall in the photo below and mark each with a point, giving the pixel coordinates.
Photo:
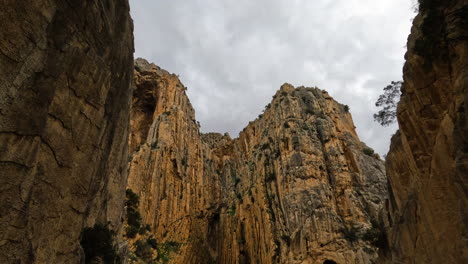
(66, 69)
(296, 186)
(427, 164)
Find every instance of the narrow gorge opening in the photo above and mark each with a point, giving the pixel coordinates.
(81, 121)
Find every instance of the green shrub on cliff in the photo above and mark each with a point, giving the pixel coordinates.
(97, 243)
(368, 151)
(350, 233)
(134, 225)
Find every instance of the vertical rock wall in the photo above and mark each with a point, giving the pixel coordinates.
(294, 187)
(65, 74)
(166, 165)
(303, 190)
(428, 160)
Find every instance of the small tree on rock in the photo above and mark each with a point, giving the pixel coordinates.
(388, 101)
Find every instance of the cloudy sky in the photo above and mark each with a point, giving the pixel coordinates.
(234, 54)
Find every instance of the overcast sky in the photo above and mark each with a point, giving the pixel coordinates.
(234, 54)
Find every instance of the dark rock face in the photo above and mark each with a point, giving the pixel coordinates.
(65, 74)
(294, 187)
(427, 164)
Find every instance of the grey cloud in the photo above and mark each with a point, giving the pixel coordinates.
(234, 54)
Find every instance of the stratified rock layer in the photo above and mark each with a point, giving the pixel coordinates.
(428, 161)
(65, 74)
(294, 187)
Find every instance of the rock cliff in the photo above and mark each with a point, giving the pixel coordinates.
(65, 75)
(427, 164)
(296, 186)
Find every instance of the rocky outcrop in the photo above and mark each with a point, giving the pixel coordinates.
(428, 160)
(65, 75)
(296, 186)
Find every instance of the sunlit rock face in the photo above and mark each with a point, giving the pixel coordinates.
(296, 186)
(427, 164)
(66, 69)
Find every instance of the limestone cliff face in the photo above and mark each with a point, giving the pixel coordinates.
(428, 161)
(65, 74)
(294, 187)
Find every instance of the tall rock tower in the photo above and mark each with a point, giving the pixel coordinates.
(296, 186)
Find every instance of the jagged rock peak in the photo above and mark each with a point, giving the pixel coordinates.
(143, 66)
(296, 186)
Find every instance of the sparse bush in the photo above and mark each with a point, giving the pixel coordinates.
(142, 231)
(237, 181)
(271, 177)
(371, 235)
(152, 242)
(368, 151)
(132, 198)
(232, 211)
(148, 228)
(286, 239)
(97, 242)
(346, 108)
(133, 216)
(131, 232)
(376, 235)
(239, 197)
(265, 146)
(351, 233)
(165, 249)
(144, 250)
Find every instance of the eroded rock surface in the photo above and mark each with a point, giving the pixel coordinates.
(428, 161)
(294, 187)
(65, 74)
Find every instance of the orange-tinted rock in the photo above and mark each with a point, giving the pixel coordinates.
(427, 164)
(65, 75)
(294, 187)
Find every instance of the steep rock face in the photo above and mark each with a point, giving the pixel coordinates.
(65, 75)
(166, 167)
(294, 187)
(428, 161)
